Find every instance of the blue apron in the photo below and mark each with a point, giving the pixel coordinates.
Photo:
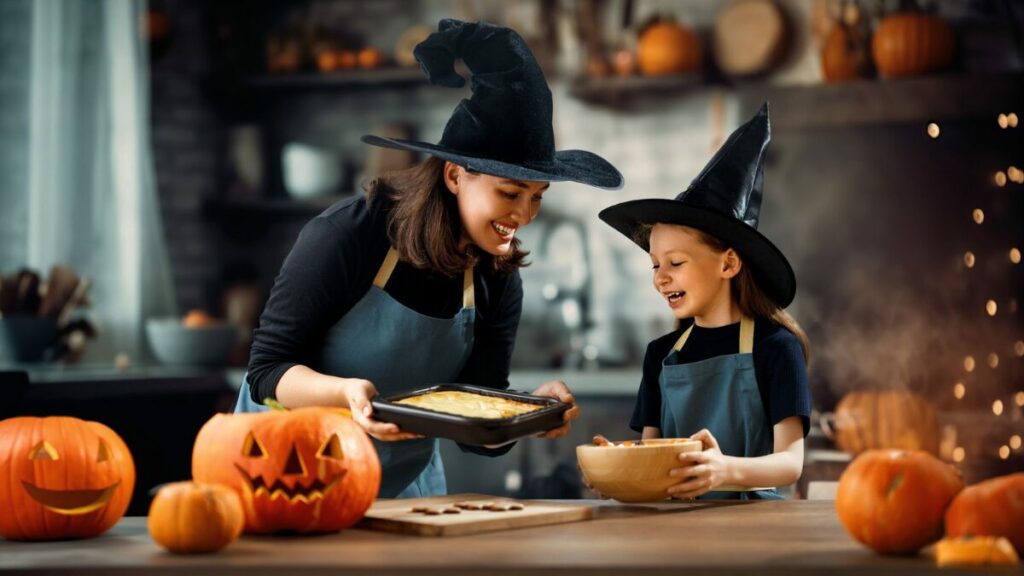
(399, 350)
(719, 394)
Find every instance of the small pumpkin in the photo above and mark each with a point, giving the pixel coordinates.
(305, 470)
(844, 56)
(975, 551)
(866, 420)
(665, 48)
(189, 517)
(893, 501)
(993, 507)
(910, 43)
(62, 477)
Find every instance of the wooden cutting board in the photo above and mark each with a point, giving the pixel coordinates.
(398, 515)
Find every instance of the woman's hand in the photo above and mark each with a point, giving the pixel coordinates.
(558, 389)
(358, 393)
(701, 471)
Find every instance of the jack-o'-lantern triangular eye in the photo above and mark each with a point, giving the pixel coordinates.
(331, 449)
(251, 447)
(43, 451)
(104, 452)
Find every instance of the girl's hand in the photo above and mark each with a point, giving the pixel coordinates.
(558, 389)
(358, 393)
(701, 472)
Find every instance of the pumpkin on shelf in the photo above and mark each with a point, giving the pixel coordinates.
(845, 54)
(893, 501)
(911, 42)
(304, 470)
(191, 518)
(62, 478)
(993, 507)
(665, 47)
(866, 419)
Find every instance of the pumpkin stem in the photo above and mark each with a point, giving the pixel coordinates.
(894, 484)
(274, 405)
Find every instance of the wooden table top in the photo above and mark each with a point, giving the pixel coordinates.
(684, 538)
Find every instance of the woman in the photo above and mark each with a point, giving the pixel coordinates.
(418, 282)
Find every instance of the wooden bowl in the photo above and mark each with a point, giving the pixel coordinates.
(634, 473)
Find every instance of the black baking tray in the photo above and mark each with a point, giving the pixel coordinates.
(473, 431)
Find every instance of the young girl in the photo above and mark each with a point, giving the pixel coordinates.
(733, 375)
(418, 282)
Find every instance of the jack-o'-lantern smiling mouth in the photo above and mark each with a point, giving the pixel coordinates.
(71, 502)
(316, 490)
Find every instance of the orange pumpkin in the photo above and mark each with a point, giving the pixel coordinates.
(668, 48)
(304, 470)
(993, 507)
(912, 43)
(893, 501)
(61, 477)
(188, 518)
(844, 56)
(975, 551)
(899, 419)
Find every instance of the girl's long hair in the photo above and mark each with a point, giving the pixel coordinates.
(749, 297)
(424, 225)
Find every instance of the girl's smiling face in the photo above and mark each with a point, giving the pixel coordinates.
(492, 208)
(692, 277)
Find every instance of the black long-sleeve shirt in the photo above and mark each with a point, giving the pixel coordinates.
(332, 266)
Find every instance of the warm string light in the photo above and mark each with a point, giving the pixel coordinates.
(969, 259)
(993, 360)
(933, 130)
(959, 390)
(1007, 120)
(1000, 179)
(1018, 399)
(997, 407)
(991, 307)
(969, 363)
(978, 215)
(1015, 174)
(1018, 347)
(1015, 441)
(1015, 255)
(959, 454)
(1004, 452)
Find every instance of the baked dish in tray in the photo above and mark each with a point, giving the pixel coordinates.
(470, 414)
(470, 404)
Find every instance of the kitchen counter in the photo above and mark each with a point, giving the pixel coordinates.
(681, 538)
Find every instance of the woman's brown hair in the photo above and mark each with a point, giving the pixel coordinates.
(424, 225)
(752, 301)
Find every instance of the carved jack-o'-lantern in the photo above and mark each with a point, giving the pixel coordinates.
(61, 477)
(304, 470)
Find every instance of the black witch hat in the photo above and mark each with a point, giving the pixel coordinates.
(504, 128)
(724, 201)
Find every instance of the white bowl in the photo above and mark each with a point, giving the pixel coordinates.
(176, 344)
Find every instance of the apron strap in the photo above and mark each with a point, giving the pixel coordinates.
(386, 268)
(468, 291)
(391, 260)
(746, 336)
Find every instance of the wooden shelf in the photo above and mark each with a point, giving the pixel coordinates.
(866, 102)
(379, 78)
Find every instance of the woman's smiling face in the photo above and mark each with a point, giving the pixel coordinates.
(492, 208)
(691, 276)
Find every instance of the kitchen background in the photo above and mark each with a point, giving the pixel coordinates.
(897, 200)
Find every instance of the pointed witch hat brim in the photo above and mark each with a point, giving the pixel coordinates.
(567, 166)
